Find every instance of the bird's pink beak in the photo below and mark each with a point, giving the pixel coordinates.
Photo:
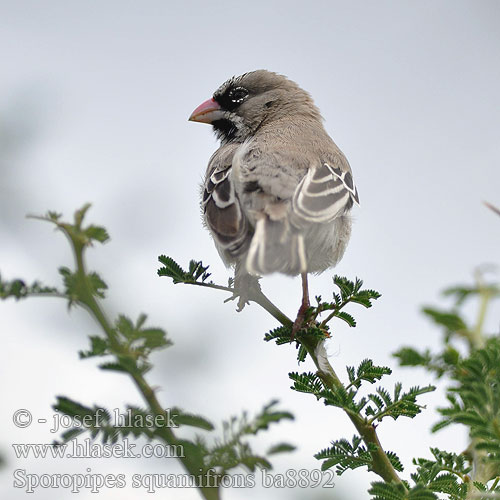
(206, 112)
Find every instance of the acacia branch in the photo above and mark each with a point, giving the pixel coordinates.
(483, 471)
(381, 464)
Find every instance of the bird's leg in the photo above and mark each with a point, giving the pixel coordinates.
(299, 321)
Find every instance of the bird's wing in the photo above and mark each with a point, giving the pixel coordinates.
(285, 197)
(326, 192)
(221, 206)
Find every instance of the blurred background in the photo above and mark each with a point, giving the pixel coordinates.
(94, 101)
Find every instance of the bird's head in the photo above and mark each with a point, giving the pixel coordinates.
(244, 103)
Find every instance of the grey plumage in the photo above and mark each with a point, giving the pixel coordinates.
(278, 192)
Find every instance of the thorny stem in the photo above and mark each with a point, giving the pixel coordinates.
(87, 299)
(255, 296)
(482, 471)
(327, 319)
(475, 336)
(381, 464)
(332, 314)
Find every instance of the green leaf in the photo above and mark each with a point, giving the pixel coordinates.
(281, 448)
(18, 289)
(345, 455)
(196, 273)
(387, 491)
(96, 233)
(125, 326)
(474, 401)
(97, 285)
(53, 216)
(268, 415)
(366, 371)
(281, 335)
(345, 285)
(392, 491)
(154, 338)
(441, 473)
(139, 340)
(171, 269)
(398, 405)
(80, 215)
(98, 347)
(395, 461)
(301, 353)
(72, 287)
(347, 318)
(184, 418)
(365, 297)
(234, 450)
(461, 293)
(411, 357)
(451, 356)
(421, 493)
(114, 367)
(71, 434)
(480, 486)
(450, 320)
(307, 382)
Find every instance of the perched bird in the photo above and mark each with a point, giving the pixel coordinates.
(278, 191)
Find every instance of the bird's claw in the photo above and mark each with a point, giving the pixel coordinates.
(242, 301)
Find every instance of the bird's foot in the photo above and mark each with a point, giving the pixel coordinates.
(245, 288)
(243, 300)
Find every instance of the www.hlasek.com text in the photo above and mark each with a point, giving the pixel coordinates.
(86, 448)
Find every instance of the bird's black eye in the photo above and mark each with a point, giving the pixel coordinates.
(237, 95)
(231, 98)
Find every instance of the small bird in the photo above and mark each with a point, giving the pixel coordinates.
(278, 191)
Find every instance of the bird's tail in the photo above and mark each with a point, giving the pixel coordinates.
(276, 247)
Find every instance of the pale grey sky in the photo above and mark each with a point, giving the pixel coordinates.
(99, 94)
